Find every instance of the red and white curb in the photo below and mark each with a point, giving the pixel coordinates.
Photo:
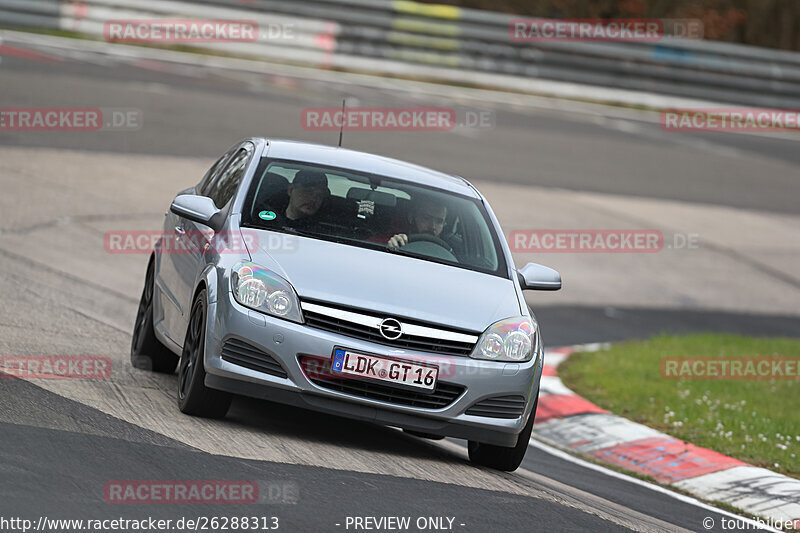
(570, 422)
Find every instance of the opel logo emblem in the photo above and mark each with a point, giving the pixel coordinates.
(391, 329)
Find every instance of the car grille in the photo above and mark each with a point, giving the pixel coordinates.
(243, 354)
(360, 331)
(318, 370)
(499, 407)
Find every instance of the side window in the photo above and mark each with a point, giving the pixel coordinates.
(205, 183)
(224, 187)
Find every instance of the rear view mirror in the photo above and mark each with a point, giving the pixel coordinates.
(537, 277)
(198, 209)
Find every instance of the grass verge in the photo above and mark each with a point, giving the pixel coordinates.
(757, 421)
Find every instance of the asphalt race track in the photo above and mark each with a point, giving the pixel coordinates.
(62, 442)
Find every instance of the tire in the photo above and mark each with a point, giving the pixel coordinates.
(147, 352)
(503, 458)
(194, 398)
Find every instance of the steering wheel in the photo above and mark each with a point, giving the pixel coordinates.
(427, 237)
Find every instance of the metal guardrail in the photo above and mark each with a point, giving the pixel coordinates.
(344, 33)
(37, 13)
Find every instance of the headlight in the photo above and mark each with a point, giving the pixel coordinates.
(512, 339)
(261, 289)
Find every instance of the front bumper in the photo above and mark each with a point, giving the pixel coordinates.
(286, 342)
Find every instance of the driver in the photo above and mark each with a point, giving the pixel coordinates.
(427, 216)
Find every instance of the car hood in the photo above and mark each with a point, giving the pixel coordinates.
(387, 284)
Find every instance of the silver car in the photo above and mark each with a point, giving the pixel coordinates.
(346, 283)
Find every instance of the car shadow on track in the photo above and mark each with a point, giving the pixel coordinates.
(283, 420)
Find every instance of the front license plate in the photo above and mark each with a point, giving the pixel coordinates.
(383, 369)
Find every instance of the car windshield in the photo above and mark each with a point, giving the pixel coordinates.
(369, 211)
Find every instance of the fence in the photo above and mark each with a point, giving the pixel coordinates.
(439, 41)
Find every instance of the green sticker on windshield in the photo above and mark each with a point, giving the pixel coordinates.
(267, 215)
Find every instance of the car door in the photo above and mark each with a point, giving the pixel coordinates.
(193, 239)
(169, 308)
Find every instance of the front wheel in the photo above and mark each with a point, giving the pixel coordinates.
(501, 457)
(194, 398)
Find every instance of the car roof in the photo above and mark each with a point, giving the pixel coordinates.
(367, 163)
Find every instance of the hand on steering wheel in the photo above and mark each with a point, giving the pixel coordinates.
(427, 237)
(398, 241)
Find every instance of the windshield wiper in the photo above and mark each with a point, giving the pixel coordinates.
(295, 231)
(321, 236)
(398, 251)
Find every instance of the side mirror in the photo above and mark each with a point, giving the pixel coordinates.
(198, 209)
(537, 277)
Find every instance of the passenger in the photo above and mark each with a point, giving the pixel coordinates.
(307, 194)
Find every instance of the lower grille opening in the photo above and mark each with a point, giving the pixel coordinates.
(243, 354)
(318, 371)
(499, 407)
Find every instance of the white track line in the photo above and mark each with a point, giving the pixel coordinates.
(675, 495)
